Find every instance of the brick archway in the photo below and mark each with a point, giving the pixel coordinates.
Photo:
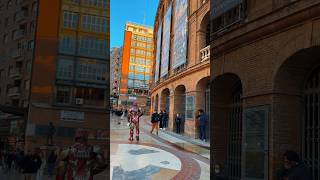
(203, 101)
(180, 104)
(294, 116)
(226, 127)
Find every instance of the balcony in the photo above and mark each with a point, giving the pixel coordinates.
(15, 73)
(21, 15)
(15, 53)
(205, 54)
(18, 34)
(14, 91)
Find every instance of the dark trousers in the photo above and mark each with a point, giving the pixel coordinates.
(161, 123)
(202, 132)
(164, 124)
(178, 128)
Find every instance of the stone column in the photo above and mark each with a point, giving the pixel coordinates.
(171, 111)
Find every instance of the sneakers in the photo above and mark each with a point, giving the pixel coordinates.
(130, 139)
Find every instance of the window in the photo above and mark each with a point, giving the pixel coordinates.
(139, 76)
(27, 85)
(30, 45)
(140, 68)
(229, 18)
(131, 68)
(93, 47)
(67, 45)
(94, 23)
(75, 1)
(132, 59)
(65, 69)
(91, 96)
(132, 51)
(5, 38)
(97, 3)
(70, 20)
(34, 7)
(130, 83)
(189, 107)
(130, 75)
(63, 95)
(91, 71)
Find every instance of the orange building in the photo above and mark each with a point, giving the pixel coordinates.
(136, 65)
(68, 78)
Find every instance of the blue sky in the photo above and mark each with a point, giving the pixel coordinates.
(122, 11)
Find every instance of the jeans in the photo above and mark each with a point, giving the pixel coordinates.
(178, 127)
(50, 168)
(202, 131)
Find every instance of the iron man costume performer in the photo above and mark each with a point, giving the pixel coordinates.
(133, 119)
(82, 160)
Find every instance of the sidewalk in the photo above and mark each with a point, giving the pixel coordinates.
(188, 139)
(187, 143)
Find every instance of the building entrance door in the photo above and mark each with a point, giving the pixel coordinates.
(311, 135)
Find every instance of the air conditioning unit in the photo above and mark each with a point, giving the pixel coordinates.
(79, 101)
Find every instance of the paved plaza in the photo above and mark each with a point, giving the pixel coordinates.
(155, 157)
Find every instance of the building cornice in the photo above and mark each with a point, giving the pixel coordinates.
(183, 74)
(226, 42)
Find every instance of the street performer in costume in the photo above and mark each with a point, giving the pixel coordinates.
(82, 161)
(133, 119)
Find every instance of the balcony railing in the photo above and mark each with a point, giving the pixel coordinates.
(15, 53)
(21, 15)
(205, 53)
(15, 72)
(14, 91)
(18, 34)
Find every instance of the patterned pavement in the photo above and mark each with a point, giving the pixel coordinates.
(155, 157)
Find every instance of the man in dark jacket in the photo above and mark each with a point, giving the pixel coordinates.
(178, 121)
(31, 165)
(294, 169)
(51, 163)
(202, 118)
(154, 121)
(161, 119)
(165, 119)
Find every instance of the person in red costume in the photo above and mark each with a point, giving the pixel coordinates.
(82, 161)
(133, 118)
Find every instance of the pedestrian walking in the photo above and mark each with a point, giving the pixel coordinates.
(161, 120)
(178, 121)
(122, 117)
(165, 119)
(42, 167)
(293, 168)
(31, 164)
(51, 162)
(154, 121)
(202, 118)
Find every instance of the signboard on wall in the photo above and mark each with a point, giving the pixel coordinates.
(189, 107)
(219, 7)
(255, 138)
(180, 33)
(156, 70)
(166, 42)
(71, 115)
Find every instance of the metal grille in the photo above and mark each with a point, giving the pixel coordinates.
(235, 137)
(311, 135)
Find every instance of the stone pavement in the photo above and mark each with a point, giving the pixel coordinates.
(162, 156)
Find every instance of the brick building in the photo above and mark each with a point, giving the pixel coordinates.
(265, 60)
(181, 73)
(55, 66)
(115, 74)
(136, 65)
